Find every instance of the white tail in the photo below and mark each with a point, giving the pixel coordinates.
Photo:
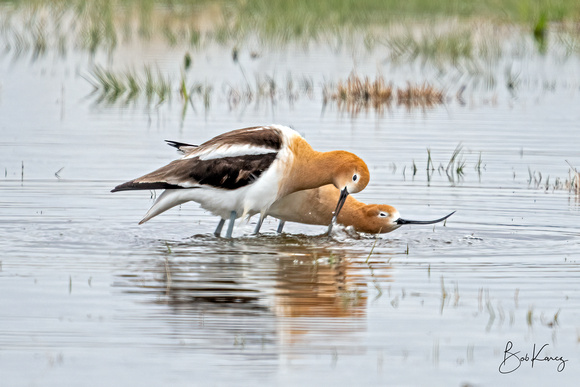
(168, 199)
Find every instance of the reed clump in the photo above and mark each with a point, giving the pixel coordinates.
(111, 87)
(424, 95)
(356, 94)
(571, 184)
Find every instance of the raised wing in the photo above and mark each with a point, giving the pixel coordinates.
(228, 161)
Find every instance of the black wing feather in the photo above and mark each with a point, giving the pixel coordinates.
(132, 185)
(226, 173)
(181, 146)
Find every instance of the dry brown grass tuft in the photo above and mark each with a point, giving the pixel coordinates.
(357, 94)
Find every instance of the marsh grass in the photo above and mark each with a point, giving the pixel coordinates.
(266, 89)
(550, 322)
(490, 311)
(105, 24)
(530, 316)
(372, 249)
(540, 31)
(155, 88)
(444, 295)
(129, 86)
(454, 169)
(456, 164)
(478, 165)
(57, 173)
(571, 183)
(356, 94)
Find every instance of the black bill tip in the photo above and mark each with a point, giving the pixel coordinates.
(341, 201)
(407, 221)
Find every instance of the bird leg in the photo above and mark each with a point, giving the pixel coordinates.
(259, 225)
(281, 226)
(233, 217)
(219, 227)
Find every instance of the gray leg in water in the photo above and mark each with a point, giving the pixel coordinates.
(219, 227)
(259, 225)
(281, 226)
(233, 217)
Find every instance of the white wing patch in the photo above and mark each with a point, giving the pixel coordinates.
(221, 151)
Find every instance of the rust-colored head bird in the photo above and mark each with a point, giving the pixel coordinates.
(313, 206)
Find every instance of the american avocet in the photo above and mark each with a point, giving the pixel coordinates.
(314, 206)
(244, 171)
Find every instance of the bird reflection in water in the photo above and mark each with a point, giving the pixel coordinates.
(289, 284)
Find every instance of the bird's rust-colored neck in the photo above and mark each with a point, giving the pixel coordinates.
(316, 206)
(310, 169)
(304, 172)
(352, 214)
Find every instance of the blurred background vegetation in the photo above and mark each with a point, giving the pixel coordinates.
(107, 23)
(465, 39)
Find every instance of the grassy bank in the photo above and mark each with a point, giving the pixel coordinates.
(95, 24)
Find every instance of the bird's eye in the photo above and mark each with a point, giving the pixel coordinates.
(383, 214)
(354, 177)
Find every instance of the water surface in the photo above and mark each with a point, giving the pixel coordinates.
(88, 295)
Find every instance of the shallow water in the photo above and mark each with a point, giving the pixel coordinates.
(89, 295)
